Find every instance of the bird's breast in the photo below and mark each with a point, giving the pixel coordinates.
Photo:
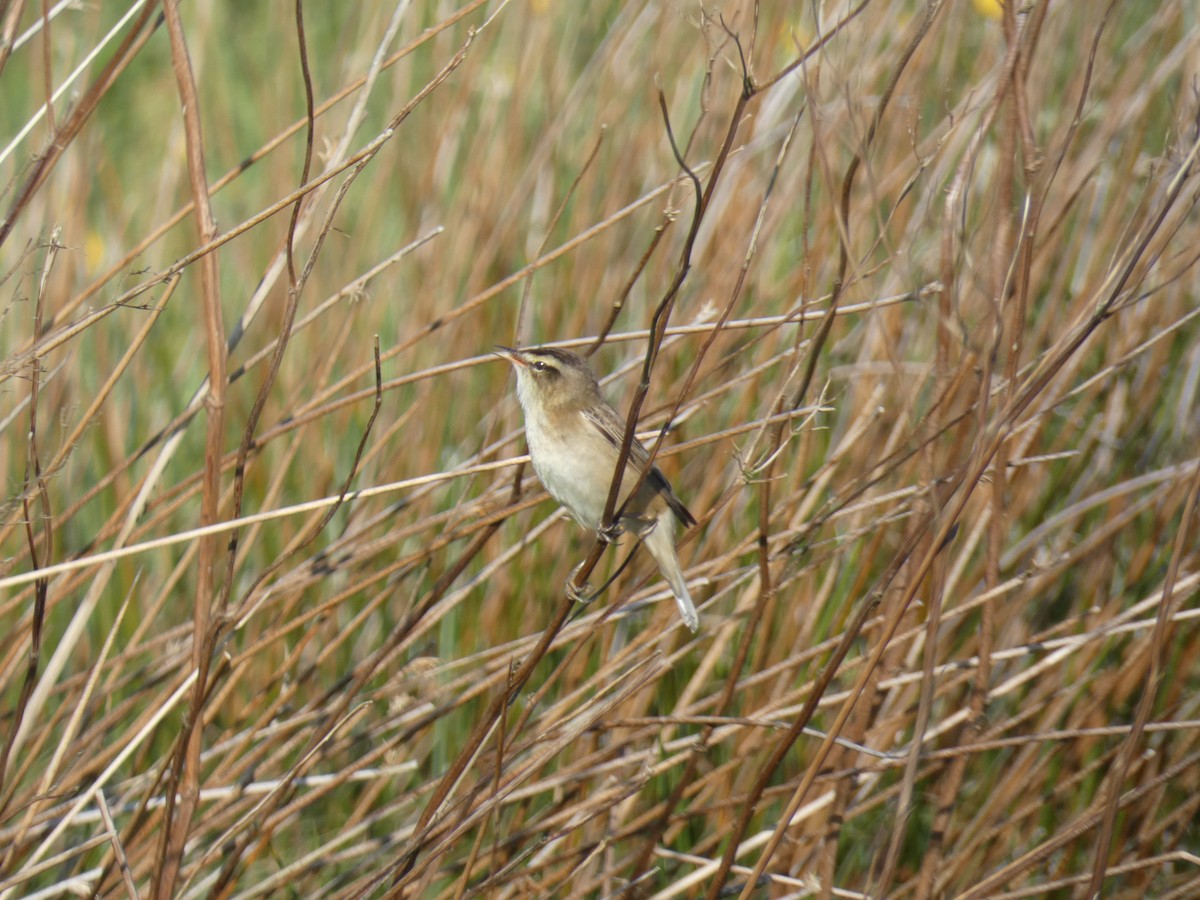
(574, 464)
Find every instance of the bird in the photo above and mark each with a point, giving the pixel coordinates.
(574, 438)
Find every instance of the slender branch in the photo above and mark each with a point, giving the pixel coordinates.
(186, 769)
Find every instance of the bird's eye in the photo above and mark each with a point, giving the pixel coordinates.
(539, 366)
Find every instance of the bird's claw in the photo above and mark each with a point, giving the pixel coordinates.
(578, 593)
(608, 534)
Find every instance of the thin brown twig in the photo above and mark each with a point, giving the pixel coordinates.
(35, 485)
(796, 400)
(185, 772)
(132, 44)
(1155, 649)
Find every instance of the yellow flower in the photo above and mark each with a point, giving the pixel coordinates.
(993, 9)
(93, 250)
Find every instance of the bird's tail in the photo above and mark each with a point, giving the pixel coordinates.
(660, 541)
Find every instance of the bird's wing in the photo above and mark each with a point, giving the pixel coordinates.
(609, 424)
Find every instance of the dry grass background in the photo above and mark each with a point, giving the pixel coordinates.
(932, 385)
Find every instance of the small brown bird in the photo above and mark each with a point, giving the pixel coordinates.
(574, 438)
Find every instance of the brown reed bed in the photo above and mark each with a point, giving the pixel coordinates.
(905, 295)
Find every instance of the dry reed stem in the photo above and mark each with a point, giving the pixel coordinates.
(929, 381)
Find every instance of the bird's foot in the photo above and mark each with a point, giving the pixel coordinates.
(578, 593)
(608, 534)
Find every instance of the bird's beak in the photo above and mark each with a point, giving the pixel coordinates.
(513, 356)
